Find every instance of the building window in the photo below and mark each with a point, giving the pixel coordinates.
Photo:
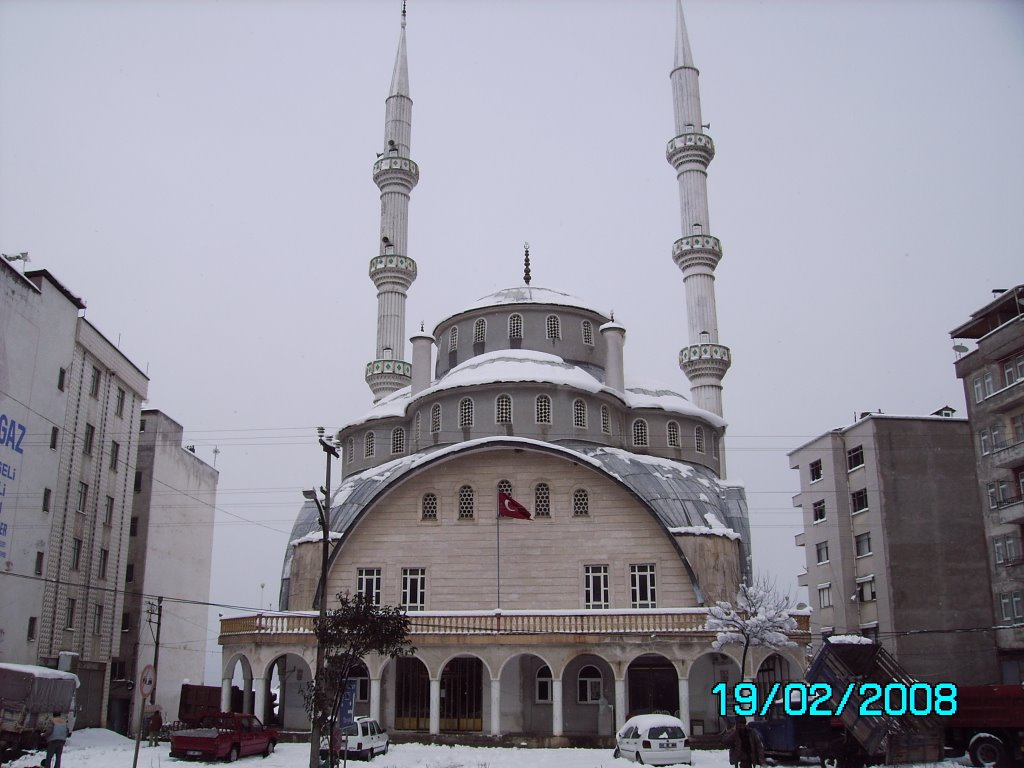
(47, 494)
(825, 596)
(1017, 424)
(859, 500)
(642, 589)
(672, 429)
(553, 326)
(595, 587)
(998, 441)
(428, 506)
(698, 439)
(818, 511)
(815, 468)
(606, 420)
(503, 410)
(589, 686)
(87, 440)
(142, 425)
(414, 589)
(453, 338)
(515, 326)
(368, 584)
(466, 413)
(822, 551)
(94, 382)
(351, 451)
(119, 402)
(104, 559)
(126, 622)
(54, 435)
(467, 503)
(714, 444)
(31, 636)
(97, 620)
(1007, 548)
(39, 564)
(580, 503)
(115, 455)
(368, 445)
(543, 409)
(866, 589)
(588, 333)
(542, 500)
(417, 431)
(579, 413)
(542, 690)
(854, 458)
(435, 418)
(480, 331)
(505, 486)
(640, 433)
(62, 376)
(83, 496)
(69, 613)
(133, 526)
(862, 544)
(398, 440)
(76, 554)
(129, 573)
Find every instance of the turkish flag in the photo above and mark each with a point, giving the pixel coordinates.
(509, 507)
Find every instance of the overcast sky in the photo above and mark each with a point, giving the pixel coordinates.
(200, 173)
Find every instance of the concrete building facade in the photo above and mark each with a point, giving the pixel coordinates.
(993, 376)
(894, 543)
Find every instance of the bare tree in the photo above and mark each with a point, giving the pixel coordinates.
(761, 617)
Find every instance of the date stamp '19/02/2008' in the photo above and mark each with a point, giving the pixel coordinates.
(872, 699)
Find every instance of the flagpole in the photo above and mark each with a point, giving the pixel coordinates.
(497, 538)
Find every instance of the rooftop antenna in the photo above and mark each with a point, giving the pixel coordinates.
(22, 257)
(960, 349)
(526, 262)
(216, 451)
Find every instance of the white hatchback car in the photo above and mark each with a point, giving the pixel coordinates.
(364, 739)
(653, 739)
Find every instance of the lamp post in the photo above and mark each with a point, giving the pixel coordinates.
(324, 512)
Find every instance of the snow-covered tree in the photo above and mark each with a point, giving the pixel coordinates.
(760, 617)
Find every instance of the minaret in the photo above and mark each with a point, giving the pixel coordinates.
(392, 271)
(697, 252)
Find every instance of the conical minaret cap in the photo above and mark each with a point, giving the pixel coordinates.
(400, 77)
(684, 58)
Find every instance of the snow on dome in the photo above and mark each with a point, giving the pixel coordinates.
(528, 294)
(647, 394)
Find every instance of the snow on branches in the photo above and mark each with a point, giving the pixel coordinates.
(761, 617)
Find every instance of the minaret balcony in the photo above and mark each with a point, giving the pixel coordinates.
(391, 268)
(394, 168)
(697, 251)
(705, 360)
(690, 147)
(385, 376)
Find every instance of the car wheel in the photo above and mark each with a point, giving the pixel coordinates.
(233, 754)
(829, 762)
(987, 750)
(639, 758)
(270, 749)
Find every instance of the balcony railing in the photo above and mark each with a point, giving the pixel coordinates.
(1010, 510)
(1008, 453)
(502, 623)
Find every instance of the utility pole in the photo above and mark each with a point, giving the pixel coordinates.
(156, 639)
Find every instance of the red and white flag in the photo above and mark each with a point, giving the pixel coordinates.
(509, 507)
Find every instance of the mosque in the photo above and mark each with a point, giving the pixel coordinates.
(554, 532)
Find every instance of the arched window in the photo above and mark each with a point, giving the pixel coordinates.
(418, 431)
(588, 333)
(503, 409)
(580, 503)
(606, 420)
(429, 506)
(543, 689)
(466, 412)
(698, 439)
(543, 409)
(435, 418)
(579, 413)
(368, 446)
(640, 433)
(467, 502)
(453, 338)
(673, 434)
(505, 486)
(479, 331)
(714, 445)
(515, 326)
(542, 500)
(553, 326)
(351, 450)
(589, 688)
(398, 440)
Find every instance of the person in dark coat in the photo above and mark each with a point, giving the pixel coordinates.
(57, 733)
(745, 746)
(156, 723)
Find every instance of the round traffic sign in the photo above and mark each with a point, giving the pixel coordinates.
(147, 680)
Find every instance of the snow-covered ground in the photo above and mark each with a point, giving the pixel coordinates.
(98, 748)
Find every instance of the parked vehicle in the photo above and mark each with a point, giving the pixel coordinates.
(29, 695)
(988, 724)
(654, 740)
(225, 736)
(363, 739)
(199, 701)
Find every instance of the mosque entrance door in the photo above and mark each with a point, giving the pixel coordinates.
(462, 695)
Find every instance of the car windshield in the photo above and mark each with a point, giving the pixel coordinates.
(665, 732)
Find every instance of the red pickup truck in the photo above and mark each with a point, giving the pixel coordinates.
(228, 735)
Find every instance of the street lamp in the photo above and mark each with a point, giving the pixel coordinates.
(324, 512)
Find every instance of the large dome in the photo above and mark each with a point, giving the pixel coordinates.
(528, 294)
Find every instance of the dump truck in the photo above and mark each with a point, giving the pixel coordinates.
(988, 724)
(29, 695)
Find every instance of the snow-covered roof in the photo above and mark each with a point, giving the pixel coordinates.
(529, 294)
(645, 722)
(45, 672)
(850, 640)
